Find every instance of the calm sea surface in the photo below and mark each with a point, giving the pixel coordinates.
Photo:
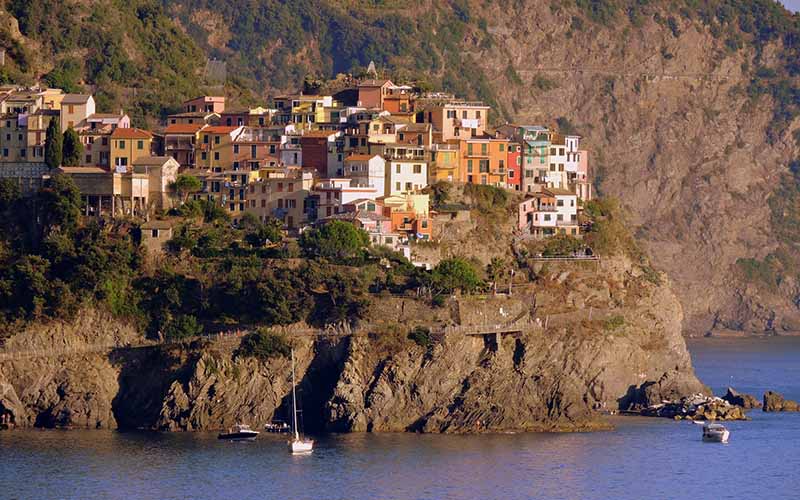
(643, 458)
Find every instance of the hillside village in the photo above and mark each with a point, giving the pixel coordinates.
(365, 155)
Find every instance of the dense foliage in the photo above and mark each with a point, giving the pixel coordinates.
(264, 345)
(336, 240)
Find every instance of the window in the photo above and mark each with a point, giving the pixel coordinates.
(510, 174)
(241, 207)
(552, 151)
(519, 161)
(8, 137)
(291, 187)
(464, 114)
(559, 217)
(397, 169)
(560, 203)
(483, 165)
(502, 148)
(263, 203)
(140, 145)
(409, 187)
(469, 149)
(483, 179)
(216, 155)
(451, 113)
(122, 144)
(477, 114)
(417, 169)
(253, 151)
(397, 186)
(236, 165)
(5, 152)
(272, 149)
(561, 151)
(547, 217)
(280, 187)
(104, 141)
(205, 139)
(236, 149)
(469, 166)
(216, 139)
(203, 156)
(502, 165)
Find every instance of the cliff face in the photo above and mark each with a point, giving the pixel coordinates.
(628, 350)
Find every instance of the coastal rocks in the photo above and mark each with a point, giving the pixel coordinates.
(775, 402)
(746, 401)
(696, 407)
(11, 407)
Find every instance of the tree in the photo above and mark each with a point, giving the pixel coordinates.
(334, 240)
(495, 271)
(258, 234)
(59, 204)
(10, 193)
(186, 184)
(454, 274)
(53, 144)
(72, 148)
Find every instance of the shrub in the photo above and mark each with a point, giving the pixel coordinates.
(182, 327)
(421, 336)
(264, 345)
(454, 274)
(614, 322)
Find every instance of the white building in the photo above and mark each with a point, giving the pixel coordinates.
(406, 169)
(366, 171)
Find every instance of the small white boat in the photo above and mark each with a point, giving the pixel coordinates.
(239, 432)
(715, 433)
(297, 445)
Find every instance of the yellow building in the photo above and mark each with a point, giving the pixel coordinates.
(214, 150)
(128, 145)
(445, 160)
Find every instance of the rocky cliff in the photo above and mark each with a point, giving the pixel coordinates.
(582, 339)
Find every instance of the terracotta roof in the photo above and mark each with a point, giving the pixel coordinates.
(131, 133)
(360, 157)
(219, 129)
(318, 133)
(373, 83)
(558, 192)
(75, 99)
(84, 170)
(152, 160)
(184, 128)
(157, 224)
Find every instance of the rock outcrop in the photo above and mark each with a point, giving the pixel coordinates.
(746, 401)
(774, 401)
(696, 407)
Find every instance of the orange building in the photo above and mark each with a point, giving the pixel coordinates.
(483, 160)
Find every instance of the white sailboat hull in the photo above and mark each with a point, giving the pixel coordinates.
(301, 446)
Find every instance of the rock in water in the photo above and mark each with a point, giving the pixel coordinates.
(746, 401)
(774, 401)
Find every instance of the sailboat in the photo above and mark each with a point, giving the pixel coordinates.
(297, 445)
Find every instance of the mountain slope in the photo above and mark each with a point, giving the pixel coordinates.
(689, 107)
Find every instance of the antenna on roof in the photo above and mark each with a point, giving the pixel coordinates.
(371, 69)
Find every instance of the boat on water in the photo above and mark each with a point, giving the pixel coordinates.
(278, 427)
(715, 433)
(298, 445)
(239, 432)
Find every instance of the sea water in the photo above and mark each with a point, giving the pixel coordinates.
(642, 458)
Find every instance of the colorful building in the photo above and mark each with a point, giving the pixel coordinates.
(128, 145)
(483, 160)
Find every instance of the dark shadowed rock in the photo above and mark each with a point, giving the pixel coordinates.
(774, 401)
(746, 401)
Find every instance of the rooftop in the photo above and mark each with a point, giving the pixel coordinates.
(184, 128)
(131, 133)
(76, 99)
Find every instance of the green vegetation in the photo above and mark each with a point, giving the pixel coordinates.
(421, 336)
(127, 44)
(72, 148)
(486, 199)
(53, 144)
(264, 345)
(614, 323)
(608, 232)
(335, 240)
(185, 185)
(454, 274)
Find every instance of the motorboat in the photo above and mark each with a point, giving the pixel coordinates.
(715, 433)
(278, 427)
(239, 432)
(298, 445)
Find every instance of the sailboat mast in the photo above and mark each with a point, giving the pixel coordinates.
(294, 403)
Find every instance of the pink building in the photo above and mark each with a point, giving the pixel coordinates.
(205, 104)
